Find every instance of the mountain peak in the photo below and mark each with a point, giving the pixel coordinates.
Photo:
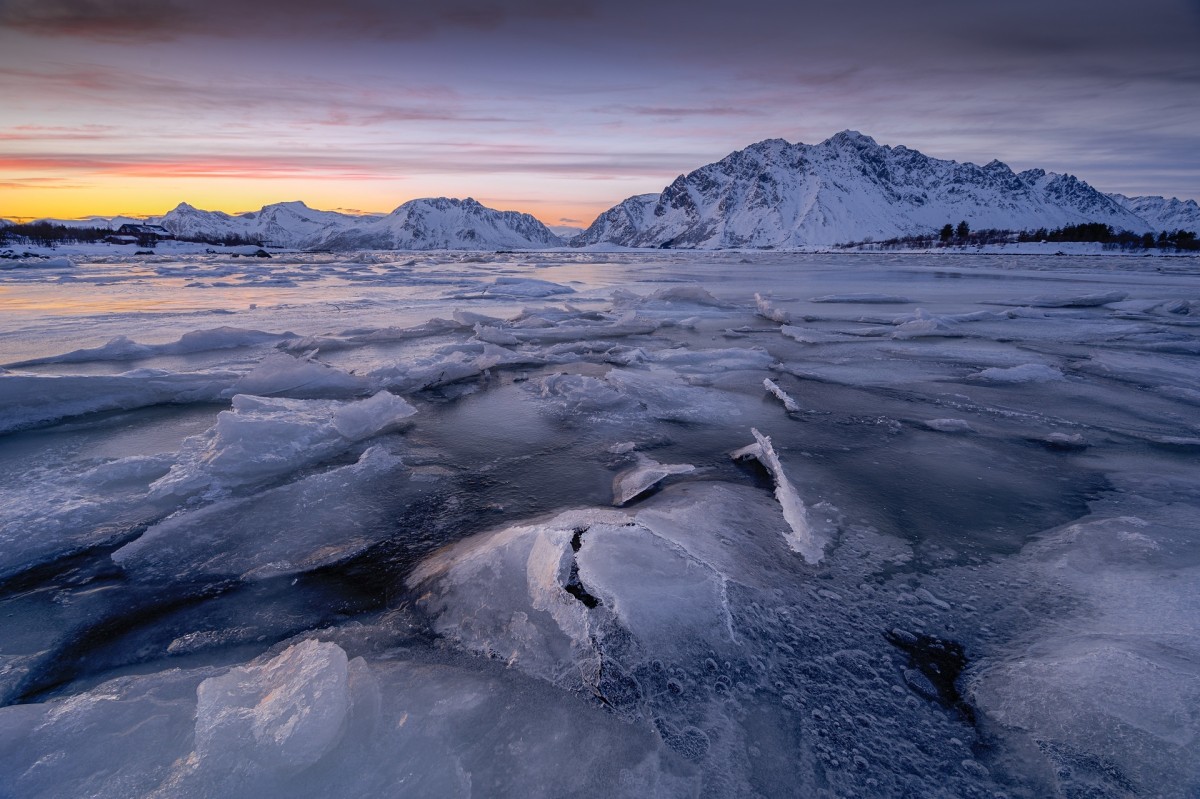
(851, 137)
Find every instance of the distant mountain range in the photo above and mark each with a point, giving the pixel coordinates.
(849, 188)
(772, 194)
(426, 224)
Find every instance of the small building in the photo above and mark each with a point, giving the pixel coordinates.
(146, 232)
(118, 238)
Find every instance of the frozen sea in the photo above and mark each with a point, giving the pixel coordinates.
(600, 524)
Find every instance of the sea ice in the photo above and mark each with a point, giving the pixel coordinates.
(802, 537)
(28, 400)
(316, 521)
(864, 298)
(789, 404)
(643, 476)
(1025, 373)
(768, 311)
(260, 438)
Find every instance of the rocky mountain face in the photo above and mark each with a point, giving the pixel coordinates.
(850, 188)
(426, 224)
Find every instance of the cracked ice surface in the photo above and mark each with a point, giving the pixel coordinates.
(344, 525)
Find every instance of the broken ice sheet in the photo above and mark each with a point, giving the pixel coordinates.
(643, 476)
(802, 537)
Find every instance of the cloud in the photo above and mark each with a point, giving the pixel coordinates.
(567, 221)
(165, 20)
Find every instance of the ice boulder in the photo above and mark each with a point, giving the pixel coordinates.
(282, 715)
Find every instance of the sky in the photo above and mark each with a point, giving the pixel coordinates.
(562, 108)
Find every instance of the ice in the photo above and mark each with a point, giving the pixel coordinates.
(1002, 602)
(28, 400)
(1092, 697)
(949, 425)
(802, 537)
(789, 404)
(811, 336)
(314, 522)
(59, 262)
(284, 375)
(642, 477)
(1073, 301)
(629, 324)
(863, 298)
(519, 288)
(283, 715)
(122, 348)
(666, 397)
(1025, 373)
(449, 365)
(51, 515)
(768, 311)
(261, 438)
(538, 596)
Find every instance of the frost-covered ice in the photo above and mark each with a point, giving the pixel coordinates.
(449, 524)
(260, 438)
(643, 476)
(802, 537)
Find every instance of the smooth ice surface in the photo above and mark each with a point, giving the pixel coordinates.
(343, 524)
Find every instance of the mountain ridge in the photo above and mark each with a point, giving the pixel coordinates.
(850, 188)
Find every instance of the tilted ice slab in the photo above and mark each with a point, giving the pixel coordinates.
(449, 365)
(260, 438)
(122, 348)
(1071, 300)
(802, 538)
(789, 404)
(316, 521)
(629, 324)
(864, 298)
(516, 288)
(28, 400)
(53, 514)
(667, 298)
(279, 374)
(644, 476)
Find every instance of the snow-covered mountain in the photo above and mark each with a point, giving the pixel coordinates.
(1162, 213)
(102, 222)
(849, 188)
(445, 224)
(289, 224)
(425, 224)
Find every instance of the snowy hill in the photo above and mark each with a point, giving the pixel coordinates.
(849, 188)
(445, 224)
(426, 224)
